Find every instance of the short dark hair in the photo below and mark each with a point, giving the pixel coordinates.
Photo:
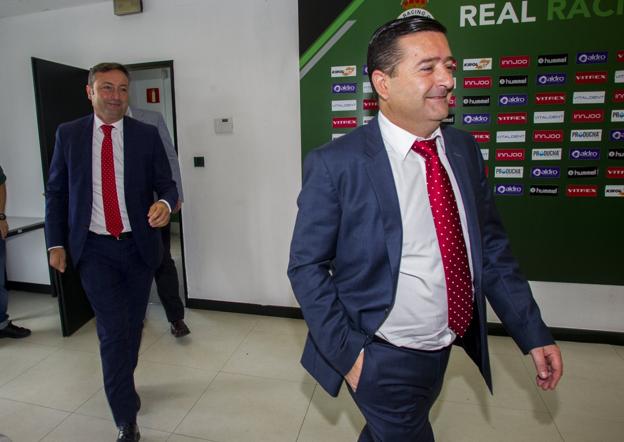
(106, 67)
(383, 49)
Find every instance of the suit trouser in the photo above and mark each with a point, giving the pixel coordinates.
(4, 295)
(117, 283)
(167, 283)
(396, 391)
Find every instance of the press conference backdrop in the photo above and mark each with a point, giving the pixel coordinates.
(540, 84)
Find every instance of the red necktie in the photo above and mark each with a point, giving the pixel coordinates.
(112, 216)
(450, 238)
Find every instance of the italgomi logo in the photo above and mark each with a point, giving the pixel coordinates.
(588, 97)
(588, 153)
(477, 64)
(485, 153)
(614, 191)
(511, 136)
(550, 117)
(508, 172)
(343, 71)
(586, 135)
(617, 115)
(618, 77)
(343, 105)
(509, 189)
(546, 154)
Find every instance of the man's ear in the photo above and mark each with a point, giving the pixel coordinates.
(89, 92)
(380, 83)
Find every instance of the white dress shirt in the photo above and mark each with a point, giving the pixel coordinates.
(419, 317)
(98, 223)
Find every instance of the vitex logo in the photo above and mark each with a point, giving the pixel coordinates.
(617, 135)
(508, 172)
(588, 97)
(618, 77)
(481, 137)
(513, 80)
(340, 123)
(543, 190)
(546, 172)
(548, 136)
(618, 96)
(476, 100)
(509, 189)
(582, 172)
(469, 119)
(588, 153)
(552, 60)
(615, 172)
(586, 135)
(619, 56)
(509, 154)
(551, 117)
(343, 71)
(513, 100)
(596, 57)
(512, 118)
(617, 115)
(343, 105)
(551, 78)
(370, 104)
(588, 116)
(582, 191)
(367, 88)
(344, 88)
(515, 62)
(477, 64)
(452, 101)
(550, 98)
(614, 191)
(591, 77)
(616, 154)
(546, 154)
(478, 83)
(510, 136)
(485, 153)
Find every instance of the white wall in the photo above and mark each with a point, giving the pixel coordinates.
(230, 60)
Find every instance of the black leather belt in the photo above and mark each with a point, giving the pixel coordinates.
(122, 236)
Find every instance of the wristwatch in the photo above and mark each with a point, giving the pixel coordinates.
(2, 217)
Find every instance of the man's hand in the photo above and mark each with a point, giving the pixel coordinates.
(178, 207)
(353, 377)
(549, 366)
(58, 260)
(158, 215)
(4, 229)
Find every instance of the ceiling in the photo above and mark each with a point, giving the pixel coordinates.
(9, 8)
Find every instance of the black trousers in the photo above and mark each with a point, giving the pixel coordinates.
(396, 391)
(167, 283)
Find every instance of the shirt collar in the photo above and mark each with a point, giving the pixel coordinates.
(399, 140)
(97, 123)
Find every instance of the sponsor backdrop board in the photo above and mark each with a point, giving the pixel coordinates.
(540, 84)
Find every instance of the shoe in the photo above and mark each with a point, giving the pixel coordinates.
(15, 332)
(129, 433)
(179, 328)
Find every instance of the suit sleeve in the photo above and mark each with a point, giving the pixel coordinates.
(172, 156)
(505, 287)
(164, 186)
(313, 249)
(57, 197)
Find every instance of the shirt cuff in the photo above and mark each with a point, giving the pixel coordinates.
(168, 206)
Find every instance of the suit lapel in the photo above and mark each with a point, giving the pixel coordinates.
(456, 154)
(380, 174)
(130, 156)
(82, 162)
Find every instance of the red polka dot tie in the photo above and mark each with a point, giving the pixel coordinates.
(114, 226)
(450, 238)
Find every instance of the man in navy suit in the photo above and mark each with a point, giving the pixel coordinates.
(366, 263)
(100, 209)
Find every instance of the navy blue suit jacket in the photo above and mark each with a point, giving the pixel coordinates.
(69, 193)
(346, 251)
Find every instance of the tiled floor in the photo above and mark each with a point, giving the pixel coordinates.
(237, 378)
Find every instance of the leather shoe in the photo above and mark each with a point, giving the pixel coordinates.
(13, 331)
(129, 433)
(179, 328)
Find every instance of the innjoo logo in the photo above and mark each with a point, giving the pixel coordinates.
(588, 116)
(548, 136)
(579, 190)
(478, 83)
(511, 62)
(509, 154)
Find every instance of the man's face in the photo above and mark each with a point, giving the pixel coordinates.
(415, 97)
(109, 95)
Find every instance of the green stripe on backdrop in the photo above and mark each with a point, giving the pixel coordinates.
(337, 24)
